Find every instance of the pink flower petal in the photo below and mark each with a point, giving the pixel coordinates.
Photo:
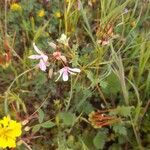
(37, 50)
(60, 74)
(42, 65)
(74, 69)
(45, 57)
(79, 5)
(64, 72)
(35, 57)
(105, 43)
(71, 72)
(57, 55)
(65, 76)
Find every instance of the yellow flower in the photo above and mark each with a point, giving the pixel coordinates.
(57, 14)
(9, 131)
(41, 13)
(15, 7)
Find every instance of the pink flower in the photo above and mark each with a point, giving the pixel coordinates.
(57, 55)
(103, 42)
(64, 72)
(79, 5)
(41, 56)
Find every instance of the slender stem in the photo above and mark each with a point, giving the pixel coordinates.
(26, 145)
(102, 95)
(8, 90)
(5, 18)
(70, 97)
(39, 107)
(136, 135)
(71, 92)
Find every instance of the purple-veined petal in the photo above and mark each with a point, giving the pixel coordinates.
(65, 76)
(42, 65)
(37, 50)
(74, 69)
(35, 57)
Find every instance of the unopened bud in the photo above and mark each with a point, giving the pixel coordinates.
(27, 128)
(25, 122)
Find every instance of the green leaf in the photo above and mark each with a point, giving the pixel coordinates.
(47, 124)
(86, 93)
(41, 115)
(94, 80)
(86, 107)
(40, 79)
(67, 117)
(100, 139)
(40, 31)
(116, 11)
(115, 147)
(103, 84)
(124, 111)
(26, 25)
(75, 57)
(120, 129)
(112, 84)
(36, 128)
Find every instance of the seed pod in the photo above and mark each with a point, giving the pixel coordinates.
(50, 73)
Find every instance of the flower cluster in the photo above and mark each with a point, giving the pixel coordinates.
(105, 35)
(57, 55)
(9, 131)
(16, 7)
(57, 14)
(41, 13)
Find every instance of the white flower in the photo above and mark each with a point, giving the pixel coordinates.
(64, 72)
(63, 40)
(41, 56)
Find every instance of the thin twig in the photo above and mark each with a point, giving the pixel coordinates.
(5, 18)
(9, 88)
(27, 146)
(145, 109)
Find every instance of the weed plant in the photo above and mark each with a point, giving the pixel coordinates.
(105, 105)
